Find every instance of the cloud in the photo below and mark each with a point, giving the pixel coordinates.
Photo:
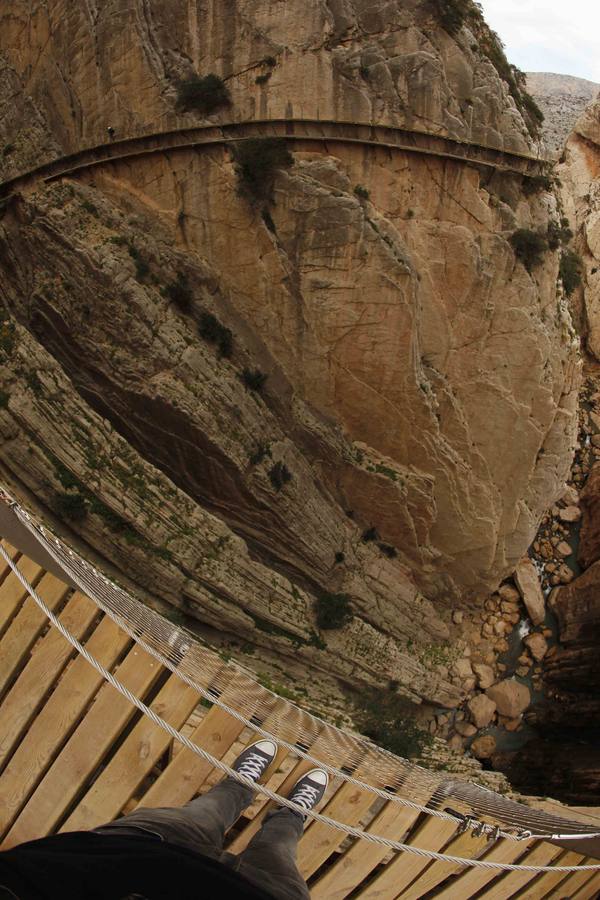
(549, 36)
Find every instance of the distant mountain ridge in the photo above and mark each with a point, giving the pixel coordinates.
(562, 98)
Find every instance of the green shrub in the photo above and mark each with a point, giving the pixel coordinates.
(388, 550)
(332, 610)
(529, 247)
(361, 192)
(263, 450)
(257, 161)
(4, 398)
(8, 149)
(254, 379)
(340, 557)
(534, 184)
(262, 79)
(269, 61)
(571, 266)
(370, 534)
(142, 267)
(179, 292)
(559, 234)
(279, 475)
(388, 719)
(202, 94)
(451, 14)
(212, 331)
(89, 207)
(71, 506)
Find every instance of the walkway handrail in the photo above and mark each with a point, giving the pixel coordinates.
(383, 135)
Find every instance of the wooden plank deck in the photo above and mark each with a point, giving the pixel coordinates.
(75, 754)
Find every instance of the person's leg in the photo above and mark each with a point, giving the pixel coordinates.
(269, 860)
(202, 823)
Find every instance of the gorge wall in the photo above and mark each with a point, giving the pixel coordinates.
(418, 415)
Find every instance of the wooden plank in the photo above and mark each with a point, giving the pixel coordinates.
(465, 845)
(134, 759)
(47, 662)
(52, 726)
(348, 872)
(12, 592)
(186, 773)
(108, 715)
(472, 880)
(590, 890)
(575, 883)
(348, 805)
(14, 555)
(432, 834)
(505, 886)
(543, 884)
(27, 626)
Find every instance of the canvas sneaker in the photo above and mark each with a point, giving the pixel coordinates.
(254, 761)
(310, 789)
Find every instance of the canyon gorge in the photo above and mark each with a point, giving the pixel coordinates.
(267, 381)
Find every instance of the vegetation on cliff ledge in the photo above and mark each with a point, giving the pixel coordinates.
(202, 94)
(333, 610)
(257, 161)
(452, 15)
(388, 719)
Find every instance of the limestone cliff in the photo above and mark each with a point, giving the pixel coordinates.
(417, 417)
(562, 99)
(581, 189)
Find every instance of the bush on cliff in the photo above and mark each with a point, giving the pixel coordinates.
(179, 292)
(388, 719)
(529, 247)
(451, 14)
(333, 610)
(214, 332)
(571, 266)
(257, 161)
(202, 94)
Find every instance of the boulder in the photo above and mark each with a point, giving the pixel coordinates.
(483, 747)
(570, 496)
(485, 675)
(463, 669)
(563, 549)
(482, 710)
(528, 582)
(458, 616)
(465, 729)
(570, 514)
(511, 697)
(509, 593)
(538, 645)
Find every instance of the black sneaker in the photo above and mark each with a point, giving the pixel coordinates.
(309, 790)
(254, 761)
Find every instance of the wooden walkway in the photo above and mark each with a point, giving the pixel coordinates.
(388, 137)
(75, 754)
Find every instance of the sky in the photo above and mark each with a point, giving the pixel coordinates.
(560, 36)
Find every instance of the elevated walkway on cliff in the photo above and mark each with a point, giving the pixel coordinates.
(299, 131)
(76, 751)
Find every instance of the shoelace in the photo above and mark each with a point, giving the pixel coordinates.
(305, 795)
(253, 766)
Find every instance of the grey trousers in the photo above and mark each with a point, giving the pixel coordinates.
(269, 860)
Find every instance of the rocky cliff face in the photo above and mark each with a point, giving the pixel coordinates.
(562, 99)
(581, 189)
(417, 417)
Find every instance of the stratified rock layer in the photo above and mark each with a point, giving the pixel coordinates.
(421, 382)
